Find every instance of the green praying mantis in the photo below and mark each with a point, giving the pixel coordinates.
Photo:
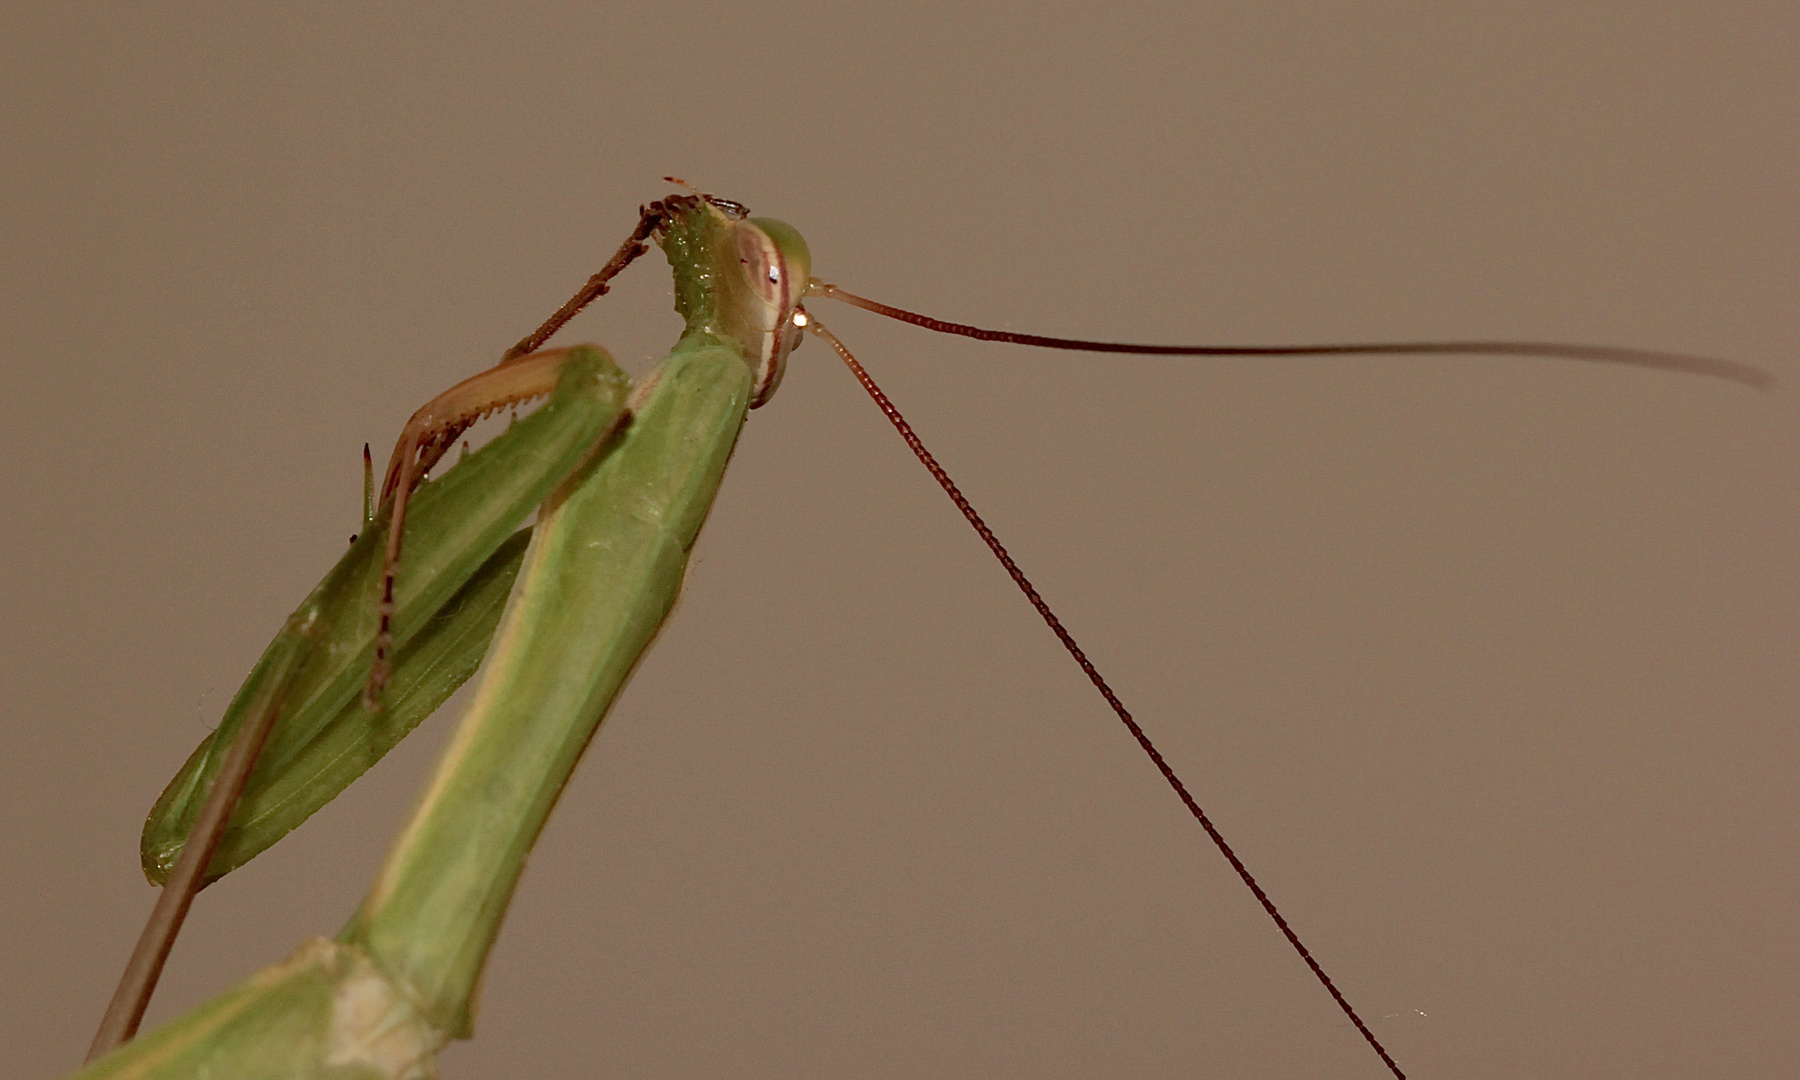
(444, 580)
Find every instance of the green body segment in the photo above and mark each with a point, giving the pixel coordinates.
(325, 1013)
(605, 568)
(460, 560)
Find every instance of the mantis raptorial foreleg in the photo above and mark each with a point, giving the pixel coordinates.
(428, 436)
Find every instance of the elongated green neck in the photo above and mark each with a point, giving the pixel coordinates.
(603, 570)
(695, 239)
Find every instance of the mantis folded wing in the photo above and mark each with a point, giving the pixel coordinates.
(462, 561)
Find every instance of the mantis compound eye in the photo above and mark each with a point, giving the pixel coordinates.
(776, 265)
(761, 262)
(776, 258)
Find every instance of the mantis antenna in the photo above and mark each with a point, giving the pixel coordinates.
(1697, 365)
(1713, 367)
(1093, 673)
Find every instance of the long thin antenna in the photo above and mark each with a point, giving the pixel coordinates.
(1087, 666)
(1605, 354)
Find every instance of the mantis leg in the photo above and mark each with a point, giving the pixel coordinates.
(427, 437)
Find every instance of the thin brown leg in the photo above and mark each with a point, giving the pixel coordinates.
(427, 437)
(649, 219)
(132, 997)
(523, 373)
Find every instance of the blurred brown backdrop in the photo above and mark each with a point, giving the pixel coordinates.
(1487, 667)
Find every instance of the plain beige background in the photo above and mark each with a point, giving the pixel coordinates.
(1488, 667)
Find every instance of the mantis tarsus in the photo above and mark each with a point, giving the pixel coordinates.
(628, 473)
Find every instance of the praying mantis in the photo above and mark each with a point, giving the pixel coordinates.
(397, 625)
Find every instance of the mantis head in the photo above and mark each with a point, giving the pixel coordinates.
(774, 266)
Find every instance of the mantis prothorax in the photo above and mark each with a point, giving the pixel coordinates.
(625, 475)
